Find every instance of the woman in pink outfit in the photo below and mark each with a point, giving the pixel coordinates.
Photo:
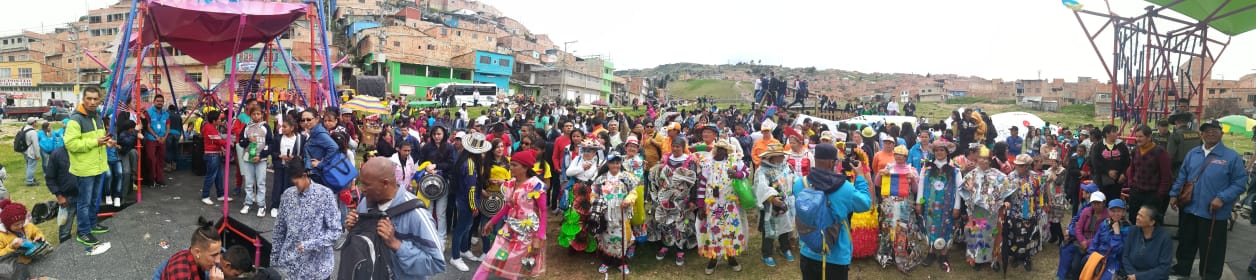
(519, 249)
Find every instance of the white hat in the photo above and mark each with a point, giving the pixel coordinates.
(768, 124)
(1097, 197)
(475, 143)
(346, 111)
(460, 135)
(887, 137)
(632, 139)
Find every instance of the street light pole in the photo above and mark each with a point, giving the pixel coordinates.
(563, 72)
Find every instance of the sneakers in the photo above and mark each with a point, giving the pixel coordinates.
(475, 240)
(624, 269)
(789, 256)
(469, 256)
(733, 262)
(207, 201)
(710, 268)
(100, 229)
(461, 266)
(1029, 266)
(87, 239)
(244, 210)
(661, 255)
(602, 269)
(680, 258)
(261, 212)
(108, 200)
(274, 212)
(223, 198)
(769, 261)
(117, 202)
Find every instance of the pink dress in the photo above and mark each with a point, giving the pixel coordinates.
(519, 250)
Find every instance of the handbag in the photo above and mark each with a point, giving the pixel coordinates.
(1188, 189)
(337, 172)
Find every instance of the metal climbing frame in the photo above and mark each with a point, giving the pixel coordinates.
(1158, 59)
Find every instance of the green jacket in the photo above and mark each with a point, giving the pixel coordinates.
(87, 158)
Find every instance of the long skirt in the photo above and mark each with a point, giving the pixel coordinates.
(901, 238)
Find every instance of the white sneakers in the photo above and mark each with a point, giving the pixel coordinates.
(469, 256)
(108, 200)
(117, 202)
(261, 212)
(207, 201)
(461, 266)
(245, 210)
(274, 212)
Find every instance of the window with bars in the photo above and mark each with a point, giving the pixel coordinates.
(25, 73)
(196, 77)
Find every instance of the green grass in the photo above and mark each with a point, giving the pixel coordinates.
(717, 89)
(15, 164)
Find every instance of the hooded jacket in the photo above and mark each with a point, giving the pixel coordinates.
(844, 198)
(87, 157)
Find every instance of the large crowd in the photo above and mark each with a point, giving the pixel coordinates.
(692, 181)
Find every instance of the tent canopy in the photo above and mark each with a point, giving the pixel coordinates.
(207, 31)
(1236, 17)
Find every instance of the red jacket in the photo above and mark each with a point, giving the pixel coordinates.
(214, 141)
(560, 143)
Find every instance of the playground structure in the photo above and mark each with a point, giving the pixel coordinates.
(1159, 62)
(211, 31)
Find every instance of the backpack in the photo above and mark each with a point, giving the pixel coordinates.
(818, 229)
(363, 254)
(19, 142)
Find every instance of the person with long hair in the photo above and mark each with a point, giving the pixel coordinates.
(519, 248)
(437, 157)
(254, 154)
(721, 222)
(938, 202)
(465, 178)
(288, 146)
(984, 190)
(1109, 159)
(613, 194)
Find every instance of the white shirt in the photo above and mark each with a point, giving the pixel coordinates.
(286, 145)
(1207, 150)
(462, 115)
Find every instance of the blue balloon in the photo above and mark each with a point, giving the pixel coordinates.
(1072, 4)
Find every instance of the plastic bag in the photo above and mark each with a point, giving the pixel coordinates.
(744, 193)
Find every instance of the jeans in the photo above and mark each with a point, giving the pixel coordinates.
(758, 96)
(441, 207)
(280, 184)
(154, 157)
(124, 178)
(213, 175)
(71, 209)
(797, 101)
(783, 239)
(30, 170)
(111, 178)
(172, 148)
(44, 160)
(88, 203)
(461, 237)
(254, 183)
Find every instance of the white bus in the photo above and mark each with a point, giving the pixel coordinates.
(456, 94)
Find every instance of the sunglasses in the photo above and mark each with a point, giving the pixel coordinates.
(525, 143)
(307, 120)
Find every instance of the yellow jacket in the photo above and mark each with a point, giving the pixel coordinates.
(6, 241)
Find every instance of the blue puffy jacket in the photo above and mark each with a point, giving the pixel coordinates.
(850, 198)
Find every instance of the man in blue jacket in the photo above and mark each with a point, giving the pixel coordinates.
(63, 185)
(848, 198)
(1219, 178)
(417, 251)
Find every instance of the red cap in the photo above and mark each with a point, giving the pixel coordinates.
(526, 158)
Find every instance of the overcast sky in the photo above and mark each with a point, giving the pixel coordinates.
(987, 38)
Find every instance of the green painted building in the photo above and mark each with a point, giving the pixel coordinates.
(413, 80)
(608, 78)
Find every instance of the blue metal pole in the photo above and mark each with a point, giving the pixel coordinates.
(120, 64)
(331, 82)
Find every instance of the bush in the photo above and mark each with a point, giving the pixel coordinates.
(964, 100)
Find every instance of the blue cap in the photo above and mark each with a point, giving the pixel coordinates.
(1116, 203)
(1090, 188)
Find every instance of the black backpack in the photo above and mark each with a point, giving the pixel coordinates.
(364, 254)
(19, 142)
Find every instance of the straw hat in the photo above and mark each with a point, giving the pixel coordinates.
(1023, 159)
(950, 147)
(723, 143)
(774, 150)
(475, 143)
(900, 150)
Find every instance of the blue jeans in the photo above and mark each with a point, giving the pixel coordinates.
(461, 237)
(213, 175)
(44, 160)
(88, 205)
(71, 208)
(172, 148)
(30, 170)
(758, 96)
(113, 178)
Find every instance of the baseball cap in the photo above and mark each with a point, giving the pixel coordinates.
(1097, 197)
(826, 151)
(1116, 203)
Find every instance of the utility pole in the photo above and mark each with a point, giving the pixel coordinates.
(563, 72)
(76, 58)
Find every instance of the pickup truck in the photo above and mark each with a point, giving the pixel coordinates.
(56, 110)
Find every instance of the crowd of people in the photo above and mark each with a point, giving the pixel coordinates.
(687, 180)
